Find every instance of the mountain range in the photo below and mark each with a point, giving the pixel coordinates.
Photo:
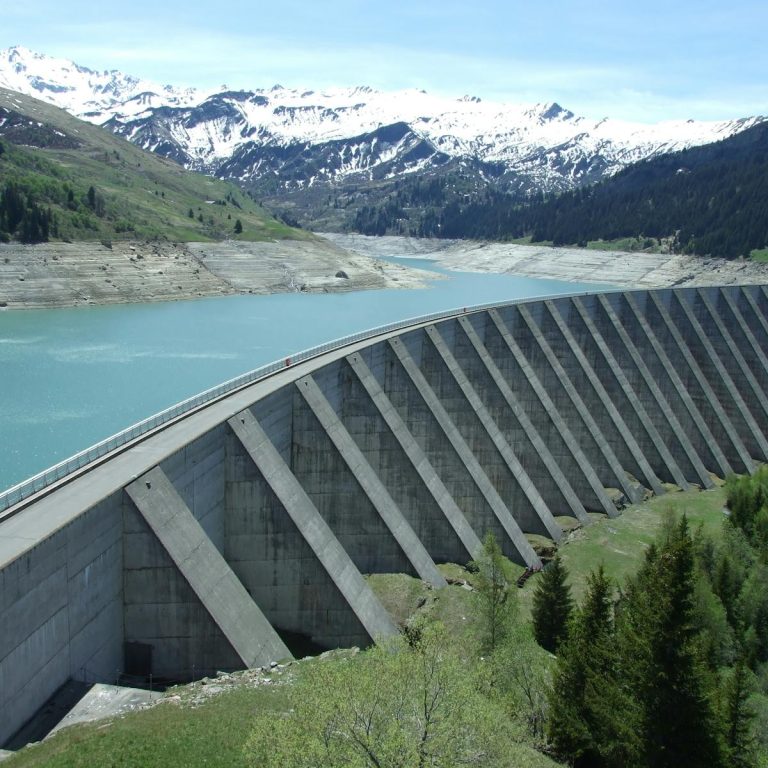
(62, 178)
(324, 154)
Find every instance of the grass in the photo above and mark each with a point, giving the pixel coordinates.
(213, 732)
(759, 254)
(144, 196)
(620, 543)
(210, 734)
(647, 245)
(400, 594)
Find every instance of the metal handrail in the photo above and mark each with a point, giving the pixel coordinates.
(57, 472)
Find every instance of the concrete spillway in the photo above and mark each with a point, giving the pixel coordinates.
(215, 541)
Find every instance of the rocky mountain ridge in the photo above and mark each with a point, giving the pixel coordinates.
(284, 143)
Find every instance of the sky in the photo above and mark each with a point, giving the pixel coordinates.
(642, 61)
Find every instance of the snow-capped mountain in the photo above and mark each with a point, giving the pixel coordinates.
(285, 140)
(82, 91)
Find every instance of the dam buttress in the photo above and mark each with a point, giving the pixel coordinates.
(214, 541)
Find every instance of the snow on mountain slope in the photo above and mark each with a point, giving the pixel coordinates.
(298, 138)
(80, 90)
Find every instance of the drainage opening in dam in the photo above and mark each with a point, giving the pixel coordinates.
(301, 645)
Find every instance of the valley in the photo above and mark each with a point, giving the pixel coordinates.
(317, 157)
(121, 221)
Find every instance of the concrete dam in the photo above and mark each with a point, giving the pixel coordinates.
(214, 541)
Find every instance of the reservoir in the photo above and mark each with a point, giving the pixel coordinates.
(71, 377)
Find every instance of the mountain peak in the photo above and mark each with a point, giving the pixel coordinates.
(554, 111)
(354, 131)
(82, 91)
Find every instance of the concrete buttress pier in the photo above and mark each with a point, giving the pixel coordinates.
(242, 532)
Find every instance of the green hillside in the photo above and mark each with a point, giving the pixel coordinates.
(497, 697)
(706, 200)
(62, 178)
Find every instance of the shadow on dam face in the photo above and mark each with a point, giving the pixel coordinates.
(187, 548)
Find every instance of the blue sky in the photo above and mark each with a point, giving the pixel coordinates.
(639, 61)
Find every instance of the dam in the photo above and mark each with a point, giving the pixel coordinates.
(225, 532)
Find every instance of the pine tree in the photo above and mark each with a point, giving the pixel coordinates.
(496, 603)
(593, 717)
(738, 717)
(238, 227)
(663, 659)
(552, 606)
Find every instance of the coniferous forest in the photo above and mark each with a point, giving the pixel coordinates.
(660, 672)
(709, 200)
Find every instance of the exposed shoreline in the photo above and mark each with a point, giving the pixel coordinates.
(618, 268)
(51, 275)
(54, 275)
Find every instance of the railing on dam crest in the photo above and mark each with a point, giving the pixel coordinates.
(42, 480)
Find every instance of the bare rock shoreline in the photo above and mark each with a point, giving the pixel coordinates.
(90, 273)
(617, 268)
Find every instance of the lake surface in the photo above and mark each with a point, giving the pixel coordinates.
(72, 377)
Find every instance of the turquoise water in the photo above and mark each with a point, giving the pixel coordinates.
(72, 377)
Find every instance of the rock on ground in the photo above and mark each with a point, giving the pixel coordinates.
(617, 268)
(73, 274)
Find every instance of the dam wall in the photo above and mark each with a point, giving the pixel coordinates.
(241, 532)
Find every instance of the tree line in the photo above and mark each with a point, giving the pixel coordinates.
(661, 671)
(23, 218)
(709, 200)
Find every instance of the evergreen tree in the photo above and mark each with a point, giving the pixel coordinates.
(662, 654)
(496, 603)
(238, 227)
(738, 717)
(593, 718)
(552, 606)
(12, 203)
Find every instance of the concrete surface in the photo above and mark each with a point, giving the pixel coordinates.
(104, 701)
(244, 529)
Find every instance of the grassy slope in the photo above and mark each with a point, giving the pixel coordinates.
(167, 735)
(213, 733)
(139, 189)
(618, 543)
